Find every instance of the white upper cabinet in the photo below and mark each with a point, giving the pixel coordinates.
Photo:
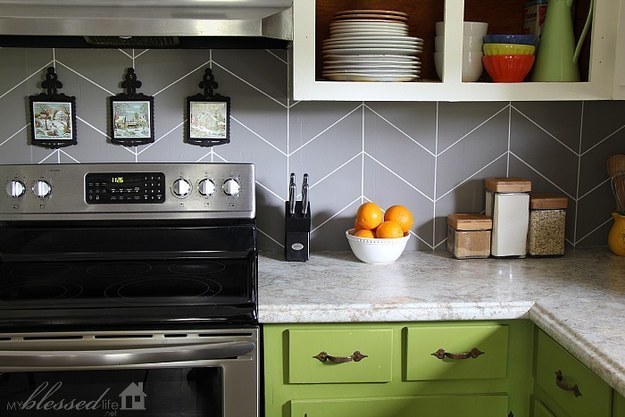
(619, 73)
(598, 60)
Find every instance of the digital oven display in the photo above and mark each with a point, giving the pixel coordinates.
(125, 188)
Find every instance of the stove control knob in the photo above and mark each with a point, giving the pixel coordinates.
(231, 187)
(16, 189)
(206, 187)
(42, 188)
(181, 188)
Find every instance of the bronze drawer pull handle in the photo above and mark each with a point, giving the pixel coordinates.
(355, 357)
(566, 387)
(473, 353)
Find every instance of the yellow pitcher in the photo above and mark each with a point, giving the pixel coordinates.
(556, 59)
(616, 237)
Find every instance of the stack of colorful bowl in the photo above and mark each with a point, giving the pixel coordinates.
(509, 58)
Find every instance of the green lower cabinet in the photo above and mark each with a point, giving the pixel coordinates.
(563, 383)
(541, 410)
(618, 405)
(422, 406)
(429, 369)
(469, 351)
(325, 356)
(398, 369)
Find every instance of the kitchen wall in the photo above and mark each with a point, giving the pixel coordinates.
(430, 157)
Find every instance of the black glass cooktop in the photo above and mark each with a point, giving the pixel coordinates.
(131, 278)
(153, 283)
(129, 292)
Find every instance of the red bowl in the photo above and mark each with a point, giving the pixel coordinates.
(508, 68)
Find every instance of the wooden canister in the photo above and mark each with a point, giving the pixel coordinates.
(469, 235)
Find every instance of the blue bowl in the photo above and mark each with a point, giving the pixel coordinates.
(517, 39)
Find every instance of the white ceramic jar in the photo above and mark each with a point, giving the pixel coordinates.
(507, 202)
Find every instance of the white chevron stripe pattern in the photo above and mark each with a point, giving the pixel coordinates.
(431, 157)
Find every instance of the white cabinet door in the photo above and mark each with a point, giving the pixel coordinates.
(619, 66)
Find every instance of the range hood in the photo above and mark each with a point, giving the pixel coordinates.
(146, 23)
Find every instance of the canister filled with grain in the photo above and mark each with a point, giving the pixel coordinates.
(468, 235)
(547, 221)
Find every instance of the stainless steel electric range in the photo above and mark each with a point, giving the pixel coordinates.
(128, 290)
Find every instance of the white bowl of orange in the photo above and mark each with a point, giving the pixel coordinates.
(379, 237)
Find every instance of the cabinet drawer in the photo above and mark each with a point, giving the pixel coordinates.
(461, 346)
(341, 365)
(540, 410)
(424, 406)
(618, 409)
(553, 360)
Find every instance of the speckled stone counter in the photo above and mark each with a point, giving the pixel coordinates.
(578, 299)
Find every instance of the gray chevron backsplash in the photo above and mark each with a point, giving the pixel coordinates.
(430, 157)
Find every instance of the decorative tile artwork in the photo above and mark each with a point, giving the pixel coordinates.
(430, 157)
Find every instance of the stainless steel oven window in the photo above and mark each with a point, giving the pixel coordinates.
(136, 374)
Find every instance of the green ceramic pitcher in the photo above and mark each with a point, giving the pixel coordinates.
(557, 55)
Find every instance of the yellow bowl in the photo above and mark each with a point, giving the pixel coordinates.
(508, 49)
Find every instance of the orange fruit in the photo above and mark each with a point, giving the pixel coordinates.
(369, 216)
(366, 233)
(389, 229)
(400, 215)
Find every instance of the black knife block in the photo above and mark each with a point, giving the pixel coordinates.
(297, 233)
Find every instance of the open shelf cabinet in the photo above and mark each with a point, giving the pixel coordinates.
(597, 61)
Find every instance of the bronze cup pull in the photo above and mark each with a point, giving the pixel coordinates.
(566, 387)
(473, 353)
(354, 357)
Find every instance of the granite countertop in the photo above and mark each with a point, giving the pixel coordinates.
(578, 299)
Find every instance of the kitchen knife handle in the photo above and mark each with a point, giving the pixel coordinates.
(305, 199)
(304, 194)
(292, 195)
(354, 357)
(442, 354)
(566, 387)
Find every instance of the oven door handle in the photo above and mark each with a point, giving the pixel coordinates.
(126, 357)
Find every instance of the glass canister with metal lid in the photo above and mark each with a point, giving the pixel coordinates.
(547, 222)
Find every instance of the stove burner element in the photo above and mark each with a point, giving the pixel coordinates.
(197, 268)
(50, 291)
(164, 290)
(119, 269)
(40, 269)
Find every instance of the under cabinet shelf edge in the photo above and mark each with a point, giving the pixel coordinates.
(438, 91)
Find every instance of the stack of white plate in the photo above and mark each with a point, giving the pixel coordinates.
(371, 45)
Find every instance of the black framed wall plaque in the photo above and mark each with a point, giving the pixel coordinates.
(208, 115)
(131, 114)
(52, 115)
